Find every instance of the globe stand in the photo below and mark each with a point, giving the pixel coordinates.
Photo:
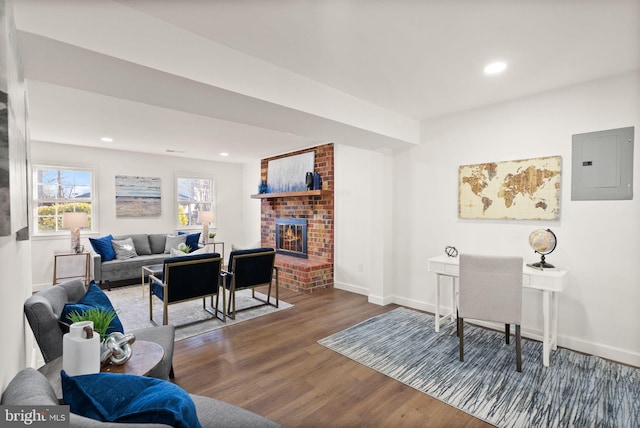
(542, 263)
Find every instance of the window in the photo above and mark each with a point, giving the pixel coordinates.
(194, 195)
(58, 190)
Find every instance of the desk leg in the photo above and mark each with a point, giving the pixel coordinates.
(437, 309)
(554, 321)
(546, 340)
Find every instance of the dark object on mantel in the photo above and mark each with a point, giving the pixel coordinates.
(262, 187)
(309, 180)
(317, 181)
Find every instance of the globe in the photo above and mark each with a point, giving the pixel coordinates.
(543, 242)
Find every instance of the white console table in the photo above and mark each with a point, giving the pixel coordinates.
(549, 281)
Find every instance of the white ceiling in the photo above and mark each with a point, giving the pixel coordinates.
(256, 78)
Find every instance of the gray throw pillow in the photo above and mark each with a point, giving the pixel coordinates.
(124, 249)
(141, 242)
(173, 241)
(157, 241)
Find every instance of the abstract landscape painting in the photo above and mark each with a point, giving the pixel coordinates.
(288, 174)
(138, 196)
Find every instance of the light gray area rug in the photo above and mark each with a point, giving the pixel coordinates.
(133, 311)
(574, 391)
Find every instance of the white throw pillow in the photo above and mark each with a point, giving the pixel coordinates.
(235, 247)
(178, 253)
(173, 241)
(203, 250)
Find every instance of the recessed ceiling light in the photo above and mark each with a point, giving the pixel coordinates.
(224, 154)
(106, 139)
(495, 67)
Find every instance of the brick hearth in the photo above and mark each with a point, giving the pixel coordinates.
(315, 272)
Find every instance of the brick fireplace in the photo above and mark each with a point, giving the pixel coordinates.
(315, 210)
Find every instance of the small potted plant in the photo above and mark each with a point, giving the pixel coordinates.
(212, 236)
(101, 318)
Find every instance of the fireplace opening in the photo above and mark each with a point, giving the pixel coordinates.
(291, 237)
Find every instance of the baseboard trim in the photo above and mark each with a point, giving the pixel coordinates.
(351, 288)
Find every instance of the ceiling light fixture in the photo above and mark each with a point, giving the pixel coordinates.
(224, 154)
(106, 139)
(495, 68)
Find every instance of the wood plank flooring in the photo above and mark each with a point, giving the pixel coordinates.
(272, 365)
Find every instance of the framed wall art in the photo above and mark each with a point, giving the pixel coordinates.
(527, 189)
(288, 174)
(138, 196)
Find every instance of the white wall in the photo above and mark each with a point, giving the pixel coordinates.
(598, 240)
(230, 196)
(362, 211)
(15, 255)
(251, 219)
(15, 264)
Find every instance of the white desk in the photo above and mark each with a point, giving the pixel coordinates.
(549, 281)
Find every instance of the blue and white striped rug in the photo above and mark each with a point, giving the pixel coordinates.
(575, 391)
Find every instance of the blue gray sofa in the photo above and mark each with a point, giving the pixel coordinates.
(150, 249)
(31, 388)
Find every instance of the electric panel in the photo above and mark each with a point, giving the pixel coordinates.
(602, 165)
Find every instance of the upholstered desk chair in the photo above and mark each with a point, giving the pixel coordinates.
(250, 269)
(490, 289)
(187, 278)
(43, 310)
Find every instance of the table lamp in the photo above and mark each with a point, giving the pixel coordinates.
(205, 217)
(74, 221)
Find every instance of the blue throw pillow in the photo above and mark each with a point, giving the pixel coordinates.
(114, 397)
(94, 298)
(103, 247)
(192, 241)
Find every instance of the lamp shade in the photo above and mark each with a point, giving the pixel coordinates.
(205, 217)
(75, 220)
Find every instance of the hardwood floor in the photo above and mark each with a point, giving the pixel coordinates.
(274, 366)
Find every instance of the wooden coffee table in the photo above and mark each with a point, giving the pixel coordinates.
(145, 356)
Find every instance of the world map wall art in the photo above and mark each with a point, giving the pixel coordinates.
(527, 189)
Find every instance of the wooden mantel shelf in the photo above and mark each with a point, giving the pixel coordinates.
(291, 194)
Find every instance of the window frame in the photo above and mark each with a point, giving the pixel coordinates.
(196, 225)
(36, 201)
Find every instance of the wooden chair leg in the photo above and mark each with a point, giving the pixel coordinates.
(507, 333)
(518, 349)
(460, 324)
